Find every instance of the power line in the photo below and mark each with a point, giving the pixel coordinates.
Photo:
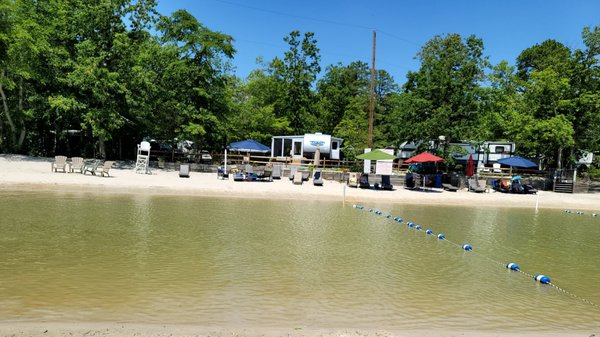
(295, 16)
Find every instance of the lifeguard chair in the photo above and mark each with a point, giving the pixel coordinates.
(143, 158)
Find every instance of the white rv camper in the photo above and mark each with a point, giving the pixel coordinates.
(306, 145)
(486, 154)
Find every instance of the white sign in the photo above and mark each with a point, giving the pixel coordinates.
(367, 167)
(384, 167)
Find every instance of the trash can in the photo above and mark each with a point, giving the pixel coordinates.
(438, 181)
(184, 171)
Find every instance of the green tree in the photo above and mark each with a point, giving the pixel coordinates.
(200, 80)
(343, 101)
(297, 72)
(253, 115)
(443, 96)
(336, 90)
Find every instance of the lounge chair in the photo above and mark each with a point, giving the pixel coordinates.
(91, 166)
(449, 187)
(386, 183)
(317, 180)
(474, 186)
(305, 175)
(529, 189)
(276, 174)
(107, 166)
(266, 175)
(221, 173)
(76, 165)
(297, 178)
(364, 181)
(483, 184)
(293, 171)
(418, 181)
(353, 179)
(60, 163)
(184, 171)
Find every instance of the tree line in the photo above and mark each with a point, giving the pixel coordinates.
(95, 77)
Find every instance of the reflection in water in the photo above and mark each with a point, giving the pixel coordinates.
(285, 263)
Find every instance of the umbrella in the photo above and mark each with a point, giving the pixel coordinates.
(317, 158)
(470, 170)
(376, 155)
(424, 157)
(517, 161)
(249, 145)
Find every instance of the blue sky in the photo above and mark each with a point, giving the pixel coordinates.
(344, 29)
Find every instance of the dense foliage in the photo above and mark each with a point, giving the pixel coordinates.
(94, 77)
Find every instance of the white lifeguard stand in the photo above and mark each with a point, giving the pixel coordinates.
(143, 158)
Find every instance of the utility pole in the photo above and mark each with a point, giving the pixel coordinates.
(372, 99)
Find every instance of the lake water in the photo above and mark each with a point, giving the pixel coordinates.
(292, 264)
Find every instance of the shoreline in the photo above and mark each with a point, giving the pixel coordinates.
(22, 174)
(65, 329)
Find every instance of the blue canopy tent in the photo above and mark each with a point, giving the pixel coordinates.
(517, 161)
(250, 146)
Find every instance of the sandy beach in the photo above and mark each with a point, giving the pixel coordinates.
(20, 173)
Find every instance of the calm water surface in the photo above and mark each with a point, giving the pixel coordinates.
(249, 263)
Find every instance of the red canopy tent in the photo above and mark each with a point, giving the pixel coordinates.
(424, 157)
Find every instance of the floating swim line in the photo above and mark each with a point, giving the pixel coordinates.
(541, 278)
(568, 211)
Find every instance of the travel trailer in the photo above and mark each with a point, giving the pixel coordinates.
(306, 145)
(485, 154)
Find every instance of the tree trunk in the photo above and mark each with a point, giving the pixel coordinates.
(20, 110)
(7, 111)
(559, 162)
(102, 148)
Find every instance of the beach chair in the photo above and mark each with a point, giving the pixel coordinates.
(364, 181)
(221, 173)
(483, 184)
(474, 186)
(317, 180)
(305, 175)
(386, 183)
(103, 169)
(184, 171)
(76, 165)
(276, 174)
(60, 163)
(418, 181)
(293, 171)
(449, 187)
(353, 179)
(266, 175)
(91, 166)
(297, 178)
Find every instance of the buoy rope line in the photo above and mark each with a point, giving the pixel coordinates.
(543, 279)
(568, 211)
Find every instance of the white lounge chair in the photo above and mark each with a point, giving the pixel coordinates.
(106, 167)
(76, 164)
(60, 163)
